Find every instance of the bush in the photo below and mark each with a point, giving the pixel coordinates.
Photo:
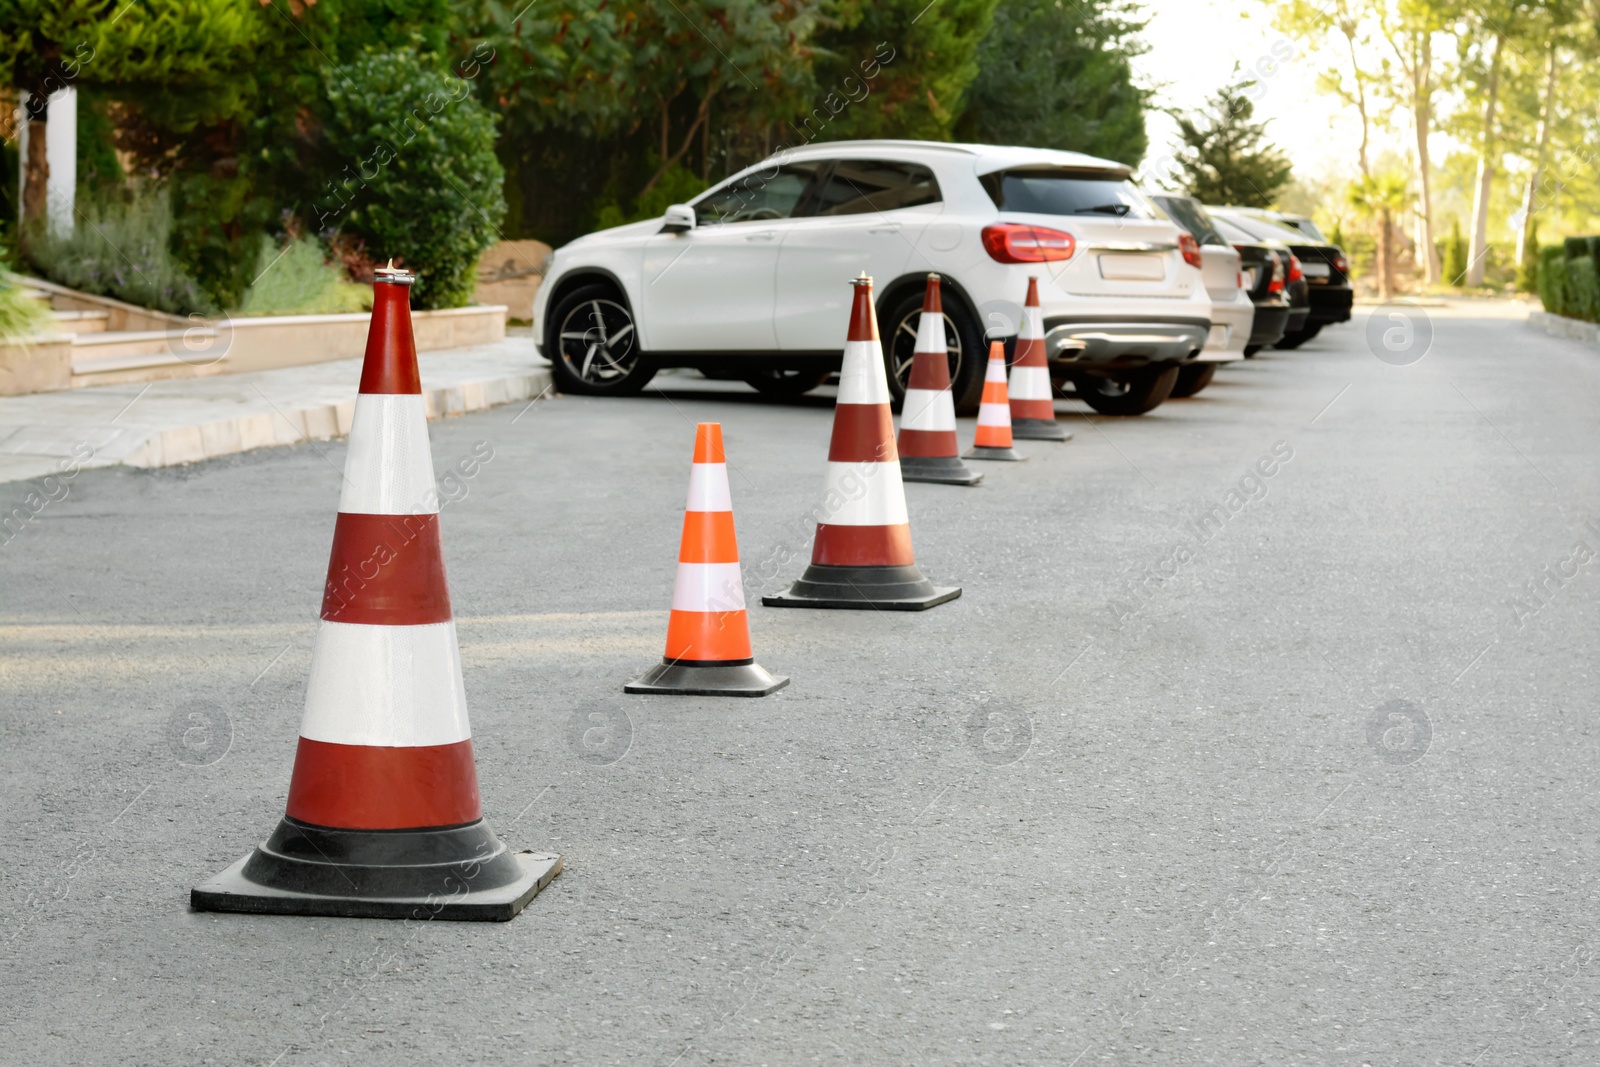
(1528, 269)
(1570, 285)
(677, 186)
(122, 248)
(1553, 279)
(299, 280)
(21, 316)
(1454, 256)
(409, 166)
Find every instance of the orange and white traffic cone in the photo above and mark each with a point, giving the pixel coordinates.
(993, 439)
(928, 448)
(383, 818)
(1033, 405)
(708, 632)
(861, 556)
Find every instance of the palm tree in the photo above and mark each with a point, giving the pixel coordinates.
(1380, 196)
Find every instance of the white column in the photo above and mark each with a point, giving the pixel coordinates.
(61, 150)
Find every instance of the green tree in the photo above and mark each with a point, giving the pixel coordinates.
(931, 61)
(1455, 254)
(1226, 158)
(1058, 74)
(1378, 197)
(188, 48)
(408, 164)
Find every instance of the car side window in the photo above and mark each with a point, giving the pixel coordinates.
(860, 186)
(758, 196)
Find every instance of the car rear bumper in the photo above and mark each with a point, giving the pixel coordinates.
(1270, 324)
(1231, 323)
(1330, 304)
(1123, 341)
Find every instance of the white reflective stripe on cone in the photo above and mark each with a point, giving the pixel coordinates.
(928, 409)
(994, 415)
(1033, 323)
(392, 686)
(863, 494)
(388, 469)
(708, 587)
(996, 371)
(861, 376)
(930, 334)
(1029, 383)
(708, 488)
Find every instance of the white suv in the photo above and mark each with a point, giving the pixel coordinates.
(752, 279)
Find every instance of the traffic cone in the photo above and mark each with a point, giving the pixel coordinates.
(861, 556)
(993, 439)
(383, 819)
(928, 448)
(1033, 405)
(708, 633)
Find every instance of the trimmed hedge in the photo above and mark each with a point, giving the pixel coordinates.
(1569, 278)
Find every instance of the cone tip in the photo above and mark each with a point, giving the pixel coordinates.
(393, 275)
(708, 443)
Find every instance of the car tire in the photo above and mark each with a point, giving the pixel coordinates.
(1192, 378)
(786, 382)
(1251, 350)
(593, 344)
(969, 352)
(1130, 393)
(1298, 337)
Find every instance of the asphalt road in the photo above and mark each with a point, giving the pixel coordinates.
(1316, 787)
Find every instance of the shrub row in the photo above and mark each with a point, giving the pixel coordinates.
(1569, 278)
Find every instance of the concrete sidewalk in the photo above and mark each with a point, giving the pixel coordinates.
(159, 424)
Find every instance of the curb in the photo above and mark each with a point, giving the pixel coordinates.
(1561, 326)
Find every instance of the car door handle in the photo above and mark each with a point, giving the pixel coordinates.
(765, 235)
(893, 227)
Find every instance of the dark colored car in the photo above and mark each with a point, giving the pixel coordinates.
(1326, 269)
(1266, 276)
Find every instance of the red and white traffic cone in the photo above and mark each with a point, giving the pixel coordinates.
(383, 818)
(993, 438)
(708, 632)
(928, 448)
(1033, 405)
(861, 556)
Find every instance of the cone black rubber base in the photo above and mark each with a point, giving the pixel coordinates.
(946, 470)
(687, 678)
(1039, 430)
(460, 872)
(883, 588)
(1009, 455)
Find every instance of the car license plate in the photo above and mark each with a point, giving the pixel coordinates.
(1134, 268)
(1315, 270)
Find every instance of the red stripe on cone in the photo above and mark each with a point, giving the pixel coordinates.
(386, 570)
(863, 546)
(366, 787)
(1033, 409)
(928, 443)
(390, 364)
(862, 433)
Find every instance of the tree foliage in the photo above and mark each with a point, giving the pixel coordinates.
(1226, 158)
(1058, 74)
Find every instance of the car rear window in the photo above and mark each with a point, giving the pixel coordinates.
(1192, 217)
(1065, 191)
(1267, 231)
(859, 186)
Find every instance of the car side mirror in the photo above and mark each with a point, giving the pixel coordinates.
(678, 219)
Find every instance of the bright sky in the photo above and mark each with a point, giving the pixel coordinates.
(1193, 47)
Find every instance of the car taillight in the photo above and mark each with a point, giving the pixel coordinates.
(1190, 249)
(1011, 242)
(1295, 273)
(1341, 264)
(1276, 285)
(1241, 279)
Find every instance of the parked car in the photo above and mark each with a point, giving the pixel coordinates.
(1326, 269)
(754, 273)
(1264, 265)
(1232, 311)
(1300, 223)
